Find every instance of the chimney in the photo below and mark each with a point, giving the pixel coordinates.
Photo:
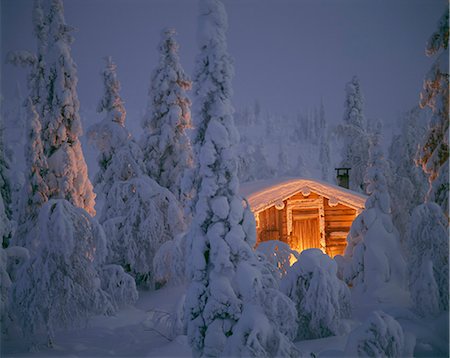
(342, 177)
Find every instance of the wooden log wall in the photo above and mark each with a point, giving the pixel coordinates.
(338, 220)
(270, 224)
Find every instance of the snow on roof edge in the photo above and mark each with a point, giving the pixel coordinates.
(263, 194)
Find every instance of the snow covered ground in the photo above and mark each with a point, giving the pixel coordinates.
(139, 331)
(143, 331)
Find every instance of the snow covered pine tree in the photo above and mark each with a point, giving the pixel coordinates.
(324, 143)
(119, 157)
(5, 194)
(35, 192)
(433, 155)
(373, 261)
(407, 183)
(67, 176)
(14, 128)
(428, 237)
(138, 215)
(225, 310)
(60, 284)
(321, 299)
(165, 144)
(428, 259)
(355, 151)
(379, 336)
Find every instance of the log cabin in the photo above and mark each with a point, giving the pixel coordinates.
(304, 213)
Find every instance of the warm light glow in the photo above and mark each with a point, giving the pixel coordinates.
(292, 260)
(298, 250)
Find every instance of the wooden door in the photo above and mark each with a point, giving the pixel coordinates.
(305, 230)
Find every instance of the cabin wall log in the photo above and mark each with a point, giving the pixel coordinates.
(284, 233)
(338, 220)
(270, 227)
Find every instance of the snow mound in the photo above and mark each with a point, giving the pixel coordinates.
(60, 286)
(321, 299)
(380, 336)
(143, 216)
(278, 254)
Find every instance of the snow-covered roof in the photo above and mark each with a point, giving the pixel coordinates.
(263, 194)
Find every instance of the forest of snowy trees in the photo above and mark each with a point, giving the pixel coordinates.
(165, 208)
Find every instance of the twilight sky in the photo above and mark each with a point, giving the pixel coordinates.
(288, 53)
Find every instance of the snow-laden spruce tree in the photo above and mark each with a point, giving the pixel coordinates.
(355, 151)
(35, 61)
(227, 307)
(283, 166)
(434, 152)
(138, 215)
(165, 144)
(36, 84)
(303, 127)
(60, 286)
(278, 254)
(18, 117)
(252, 155)
(5, 284)
(324, 143)
(111, 103)
(261, 168)
(36, 78)
(246, 160)
(35, 191)
(67, 175)
(428, 245)
(6, 226)
(373, 263)
(119, 157)
(379, 336)
(11, 261)
(321, 299)
(169, 262)
(14, 114)
(407, 183)
(17, 257)
(404, 146)
(118, 285)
